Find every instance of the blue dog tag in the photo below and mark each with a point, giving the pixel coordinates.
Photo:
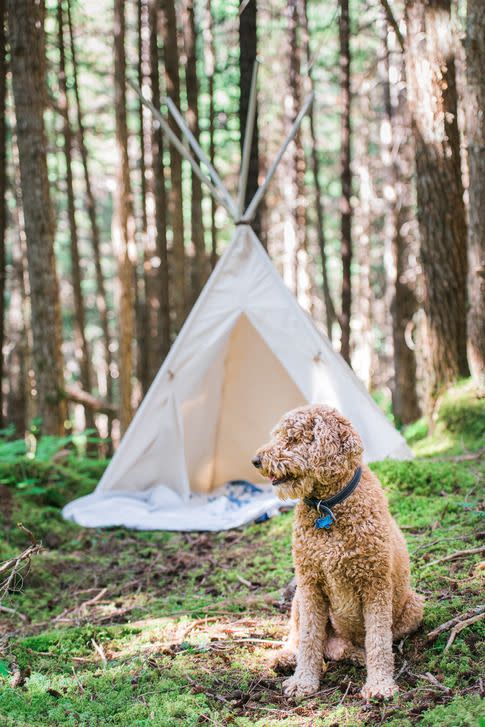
(324, 522)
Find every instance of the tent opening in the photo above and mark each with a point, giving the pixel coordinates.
(256, 391)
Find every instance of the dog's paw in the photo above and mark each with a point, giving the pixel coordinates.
(301, 685)
(379, 689)
(284, 662)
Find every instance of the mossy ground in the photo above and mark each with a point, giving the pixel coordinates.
(115, 627)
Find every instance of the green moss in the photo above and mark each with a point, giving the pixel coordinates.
(459, 712)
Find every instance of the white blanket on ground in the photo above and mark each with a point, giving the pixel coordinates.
(160, 508)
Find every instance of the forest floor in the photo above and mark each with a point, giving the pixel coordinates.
(115, 627)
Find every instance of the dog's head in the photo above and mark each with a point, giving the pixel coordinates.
(312, 450)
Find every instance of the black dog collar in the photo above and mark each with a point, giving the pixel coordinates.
(323, 507)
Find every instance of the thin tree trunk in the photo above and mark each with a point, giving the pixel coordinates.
(403, 304)
(157, 280)
(210, 68)
(475, 45)
(3, 185)
(200, 267)
(26, 33)
(432, 99)
(171, 58)
(302, 284)
(123, 223)
(82, 347)
(101, 300)
(330, 314)
(143, 340)
(248, 44)
(346, 177)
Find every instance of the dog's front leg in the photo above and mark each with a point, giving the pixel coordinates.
(313, 615)
(377, 606)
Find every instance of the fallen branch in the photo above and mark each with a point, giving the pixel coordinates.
(467, 457)
(433, 680)
(457, 554)
(478, 610)
(460, 626)
(79, 396)
(18, 566)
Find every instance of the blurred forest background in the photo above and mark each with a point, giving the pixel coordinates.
(375, 219)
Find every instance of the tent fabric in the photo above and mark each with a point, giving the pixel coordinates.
(246, 354)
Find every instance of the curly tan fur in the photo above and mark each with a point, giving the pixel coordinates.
(353, 594)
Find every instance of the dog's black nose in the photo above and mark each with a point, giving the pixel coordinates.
(256, 461)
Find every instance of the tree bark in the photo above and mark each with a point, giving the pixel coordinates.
(475, 47)
(3, 185)
(248, 44)
(26, 34)
(330, 313)
(200, 269)
(101, 300)
(210, 69)
(403, 303)
(157, 280)
(432, 99)
(142, 339)
(345, 177)
(82, 347)
(168, 27)
(123, 223)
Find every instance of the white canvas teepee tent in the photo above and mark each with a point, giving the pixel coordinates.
(246, 354)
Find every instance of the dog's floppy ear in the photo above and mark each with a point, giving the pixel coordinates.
(351, 443)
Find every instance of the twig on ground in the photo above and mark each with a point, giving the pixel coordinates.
(434, 681)
(453, 621)
(244, 581)
(15, 568)
(459, 627)
(345, 694)
(99, 649)
(14, 612)
(457, 554)
(78, 681)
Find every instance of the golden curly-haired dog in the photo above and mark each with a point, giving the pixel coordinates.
(353, 594)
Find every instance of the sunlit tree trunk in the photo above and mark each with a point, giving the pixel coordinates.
(345, 177)
(101, 295)
(157, 280)
(200, 268)
(475, 105)
(81, 343)
(3, 208)
(432, 99)
(168, 27)
(123, 223)
(26, 33)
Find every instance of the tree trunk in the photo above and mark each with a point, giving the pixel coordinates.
(330, 314)
(157, 281)
(430, 71)
(345, 177)
(82, 348)
(123, 223)
(26, 33)
(101, 301)
(403, 303)
(248, 44)
(171, 57)
(143, 340)
(475, 46)
(3, 208)
(199, 267)
(210, 68)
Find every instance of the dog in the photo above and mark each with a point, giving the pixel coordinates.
(353, 595)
